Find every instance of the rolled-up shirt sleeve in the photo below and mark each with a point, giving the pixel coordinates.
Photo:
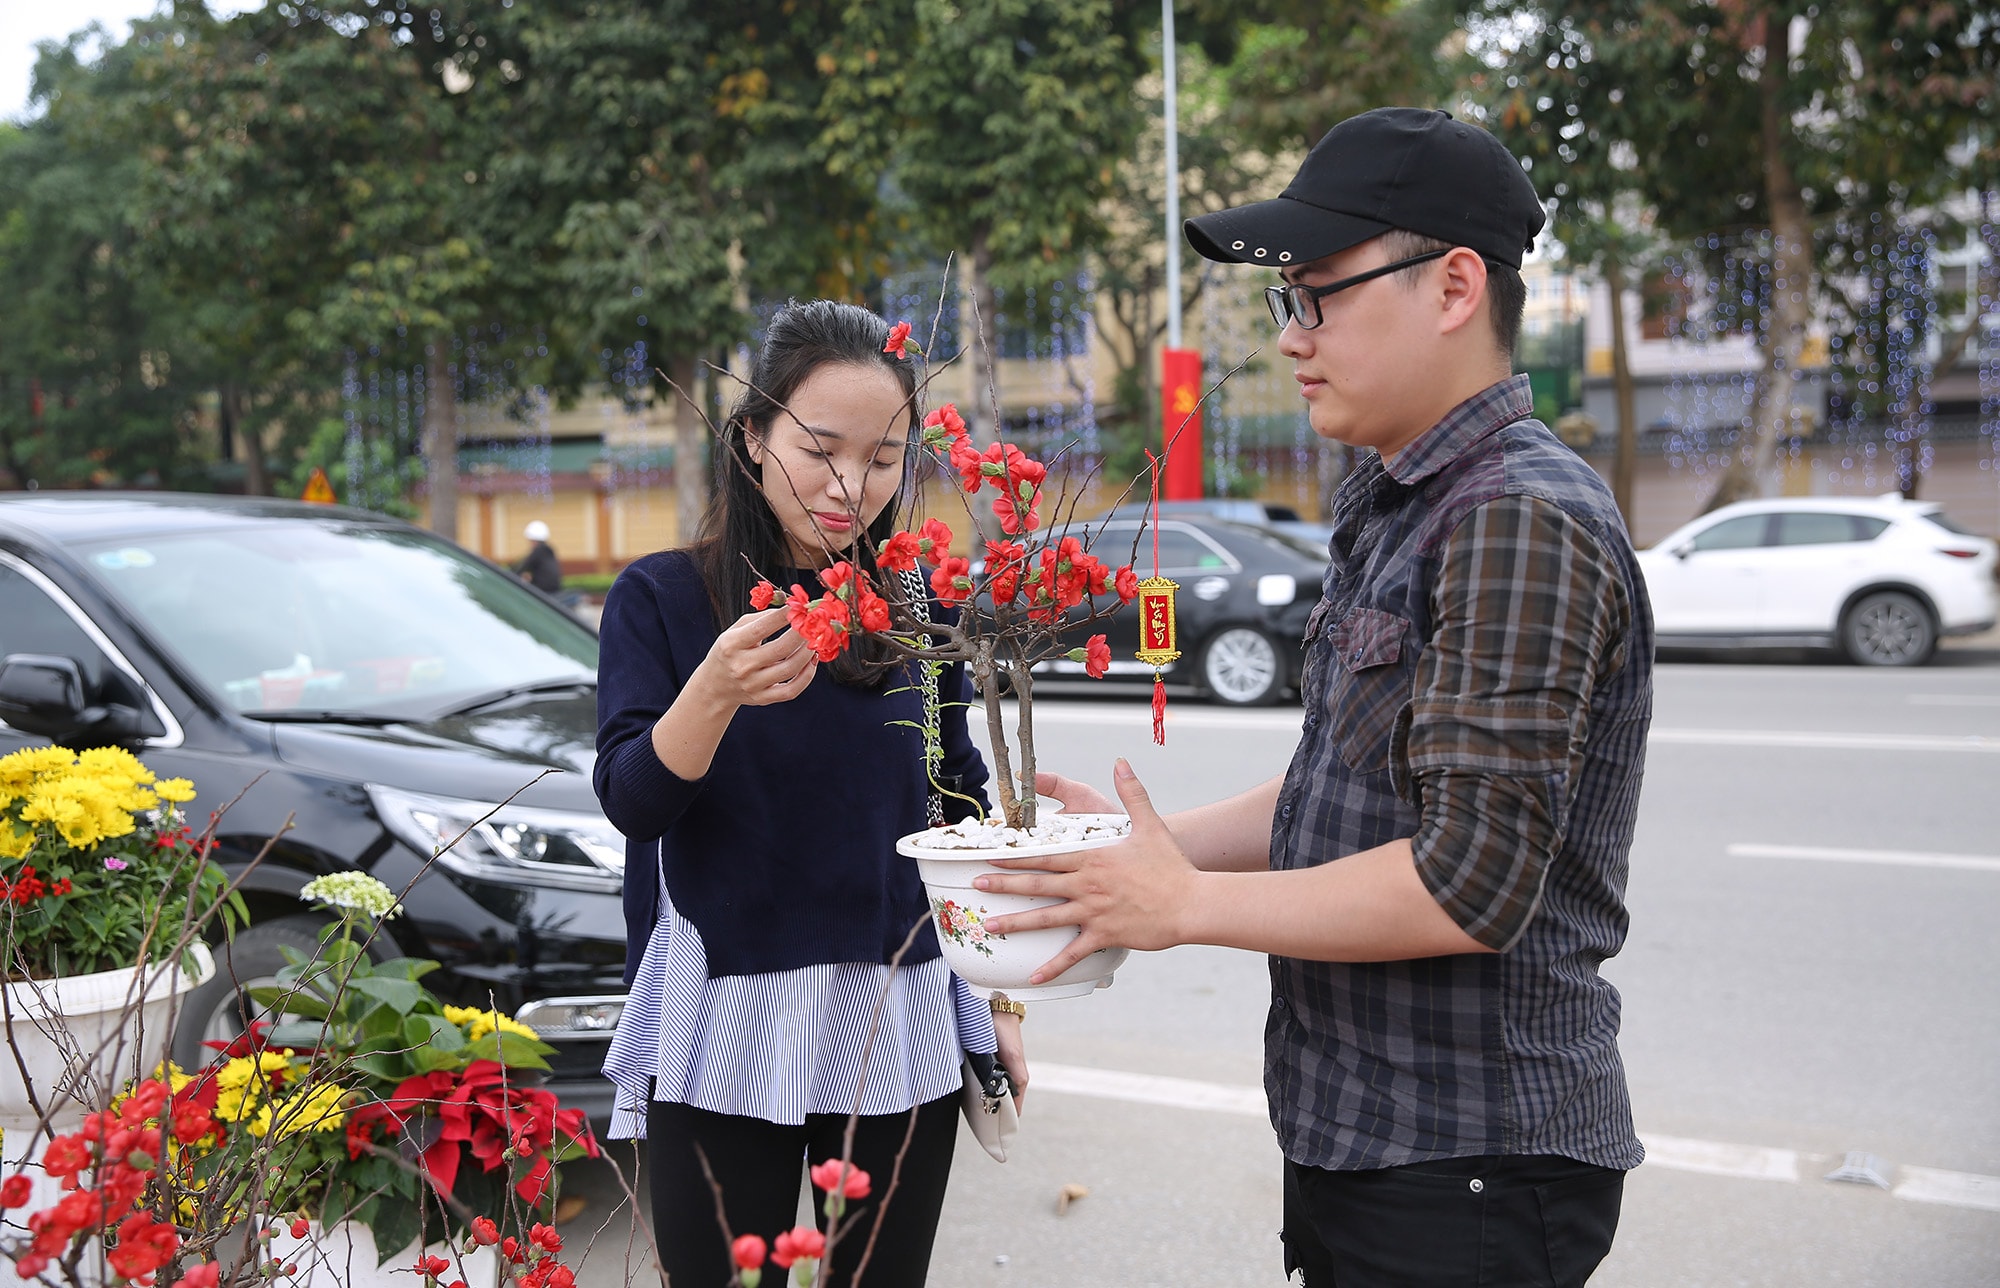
(1529, 614)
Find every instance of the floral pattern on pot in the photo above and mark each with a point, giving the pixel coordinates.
(962, 925)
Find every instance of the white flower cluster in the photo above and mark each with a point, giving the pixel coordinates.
(1050, 829)
(355, 890)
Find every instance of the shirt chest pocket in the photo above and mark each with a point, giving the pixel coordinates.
(1367, 685)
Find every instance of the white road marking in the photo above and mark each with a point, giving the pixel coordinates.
(1826, 741)
(1955, 1189)
(1190, 716)
(1954, 700)
(1720, 1158)
(1895, 858)
(1679, 1153)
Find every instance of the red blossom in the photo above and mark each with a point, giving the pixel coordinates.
(747, 1252)
(484, 1232)
(794, 1244)
(65, 1157)
(545, 1237)
(943, 423)
(872, 611)
(965, 458)
(899, 335)
(934, 540)
(16, 1191)
(432, 1267)
(761, 595)
(849, 1179)
(899, 553)
(1126, 582)
(1097, 657)
(953, 580)
(300, 1227)
(206, 1275)
(835, 576)
(510, 1248)
(144, 1245)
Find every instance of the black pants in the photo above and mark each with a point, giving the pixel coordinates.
(1530, 1221)
(760, 1165)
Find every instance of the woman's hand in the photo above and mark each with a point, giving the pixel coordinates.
(1075, 797)
(749, 666)
(1013, 1056)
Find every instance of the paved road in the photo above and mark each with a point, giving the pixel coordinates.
(1812, 970)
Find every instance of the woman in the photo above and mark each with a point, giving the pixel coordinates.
(762, 794)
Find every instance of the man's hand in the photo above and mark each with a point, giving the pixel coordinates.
(1075, 797)
(1132, 894)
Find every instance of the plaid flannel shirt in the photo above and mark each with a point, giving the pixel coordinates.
(1479, 680)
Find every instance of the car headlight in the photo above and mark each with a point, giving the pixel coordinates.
(1277, 588)
(514, 844)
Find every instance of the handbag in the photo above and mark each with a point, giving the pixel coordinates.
(988, 1103)
(988, 1098)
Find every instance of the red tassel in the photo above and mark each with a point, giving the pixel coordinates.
(1159, 710)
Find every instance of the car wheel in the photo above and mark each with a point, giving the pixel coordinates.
(221, 1009)
(1239, 666)
(1888, 628)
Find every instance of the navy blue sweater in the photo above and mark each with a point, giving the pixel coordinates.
(784, 854)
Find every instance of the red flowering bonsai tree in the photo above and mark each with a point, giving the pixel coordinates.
(1039, 583)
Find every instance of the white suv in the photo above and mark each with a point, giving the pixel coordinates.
(1880, 578)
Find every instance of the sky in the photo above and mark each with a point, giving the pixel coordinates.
(24, 22)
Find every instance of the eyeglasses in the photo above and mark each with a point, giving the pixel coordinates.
(1294, 303)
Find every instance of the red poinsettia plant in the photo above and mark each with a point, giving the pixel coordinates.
(1038, 586)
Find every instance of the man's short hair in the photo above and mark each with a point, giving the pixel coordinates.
(1506, 293)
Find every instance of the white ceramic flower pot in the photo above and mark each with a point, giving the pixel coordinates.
(73, 1036)
(959, 913)
(344, 1255)
(101, 1050)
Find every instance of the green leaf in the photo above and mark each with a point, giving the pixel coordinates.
(401, 994)
(517, 1052)
(289, 1000)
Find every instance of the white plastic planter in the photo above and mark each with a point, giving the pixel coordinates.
(949, 859)
(344, 1256)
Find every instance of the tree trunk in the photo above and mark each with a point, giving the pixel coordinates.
(441, 437)
(256, 474)
(983, 338)
(1625, 460)
(1784, 338)
(690, 452)
(225, 423)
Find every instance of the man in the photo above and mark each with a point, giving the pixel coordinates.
(1447, 853)
(539, 567)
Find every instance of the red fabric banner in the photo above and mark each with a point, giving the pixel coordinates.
(1180, 424)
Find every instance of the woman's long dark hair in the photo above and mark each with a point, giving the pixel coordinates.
(739, 531)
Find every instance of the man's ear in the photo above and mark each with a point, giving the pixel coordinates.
(1463, 298)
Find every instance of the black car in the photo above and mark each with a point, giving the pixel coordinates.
(1245, 592)
(363, 692)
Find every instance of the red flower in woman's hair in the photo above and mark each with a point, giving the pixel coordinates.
(934, 540)
(953, 580)
(899, 335)
(899, 553)
(762, 594)
(1097, 657)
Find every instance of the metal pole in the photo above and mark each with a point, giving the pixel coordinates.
(1173, 118)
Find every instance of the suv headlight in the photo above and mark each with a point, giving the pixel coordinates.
(515, 844)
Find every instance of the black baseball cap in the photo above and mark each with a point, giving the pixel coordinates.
(1395, 167)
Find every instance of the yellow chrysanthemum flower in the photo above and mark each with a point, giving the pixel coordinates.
(316, 1110)
(477, 1023)
(177, 790)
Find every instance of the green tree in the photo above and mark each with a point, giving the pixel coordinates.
(92, 386)
(1794, 118)
(1002, 123)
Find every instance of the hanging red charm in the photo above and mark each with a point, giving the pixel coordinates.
(1157, 642)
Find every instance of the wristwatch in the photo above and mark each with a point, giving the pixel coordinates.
(1001, 1002)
